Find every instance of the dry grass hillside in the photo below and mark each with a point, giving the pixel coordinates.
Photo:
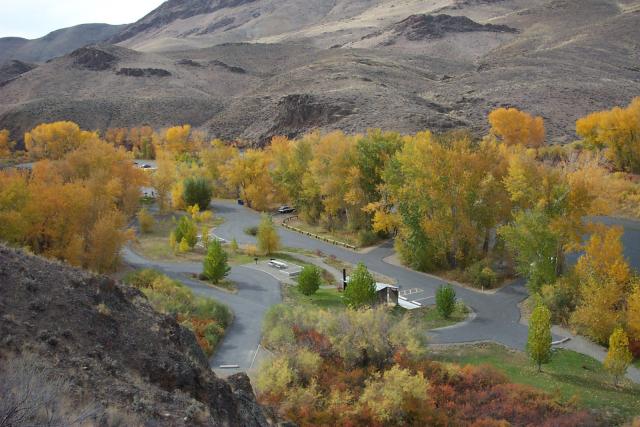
(77, 346)
(242, 69)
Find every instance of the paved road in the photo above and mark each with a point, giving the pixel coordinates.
(497, 315)
(257, 292)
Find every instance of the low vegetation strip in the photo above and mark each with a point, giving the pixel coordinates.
(368, 367)
(315, 236)
(205, 317)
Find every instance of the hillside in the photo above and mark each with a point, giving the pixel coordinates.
(110, 350)
(249, 70)
(56, 43)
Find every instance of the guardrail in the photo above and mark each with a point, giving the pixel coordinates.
(315, 236)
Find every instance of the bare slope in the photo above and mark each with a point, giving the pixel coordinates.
(57, 43)
(105, 340)
(446, 66)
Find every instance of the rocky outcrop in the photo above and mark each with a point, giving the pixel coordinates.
(421, 27)
(93, 58)
(227, 67)
(105, 340)
(143, 72)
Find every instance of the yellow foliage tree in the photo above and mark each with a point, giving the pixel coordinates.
(6, 145)
(618, 130)
(54, 140)
(633, 314)
(515, 127)
(618, 357)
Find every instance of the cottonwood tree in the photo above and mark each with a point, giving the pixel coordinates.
(6, 145)
(515, 127)
(539, 340)
(617, 130)
(54, 140)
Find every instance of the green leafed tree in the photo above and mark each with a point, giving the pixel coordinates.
(361, 288)
(216, 266)
(539, 341)
(309, 280)
(445, 300)
(197, 191)
(535, 246)
(619, 356)
(268, 239)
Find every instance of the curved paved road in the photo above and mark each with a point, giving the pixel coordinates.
(497, 315)
(257, 292)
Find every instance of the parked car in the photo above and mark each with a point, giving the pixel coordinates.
(286, 210)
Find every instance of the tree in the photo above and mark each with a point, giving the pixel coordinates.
(234, 245)
(516, 127)
(216, 266)
(268, 238)
(539, 341)
(197, 191)
(535, 246)
(446, 300)
(163, 179)
(6, 145)
(618, 357)
(54, 140)
(309, 280)
(619, 131)
(361, 288)
(186, 230)
(444, 214)
(146, 221)
(633, 314)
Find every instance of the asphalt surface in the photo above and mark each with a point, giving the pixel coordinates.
(257, 292)
(497, 314)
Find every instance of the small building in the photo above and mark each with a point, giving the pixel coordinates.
(387, 294)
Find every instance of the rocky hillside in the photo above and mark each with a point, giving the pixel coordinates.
(54, 44)
(241, 69)
(103, 347)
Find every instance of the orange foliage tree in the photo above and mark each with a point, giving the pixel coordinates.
(515, 127)
(54, 140)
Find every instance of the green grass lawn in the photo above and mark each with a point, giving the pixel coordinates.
(569, 375)
(432, 319)
(324, 298)
(155, 245)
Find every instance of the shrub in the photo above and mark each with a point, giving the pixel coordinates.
(186, 230)
(361, 289)
(276, 377)
(445, 300)
(367, 237)
(216, 266)
(146, 221)
(205, 317)
(309, 280)
(251, 231)
(481, 275)
(197, 191)
(234, 246)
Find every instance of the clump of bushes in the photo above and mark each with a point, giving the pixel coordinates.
(205, 317)
(368, 367)
(481, 275)
(251, 231)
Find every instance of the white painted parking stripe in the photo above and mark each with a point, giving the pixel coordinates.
(422, 299)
